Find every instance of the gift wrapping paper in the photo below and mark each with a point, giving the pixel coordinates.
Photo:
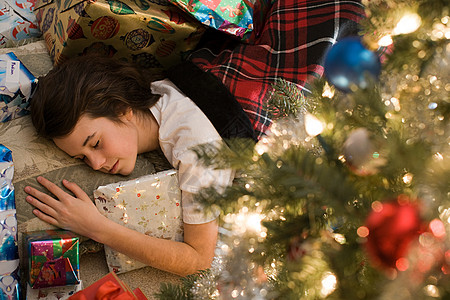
(53, 293)
(235, 17)
(153, 34)
(109, 287)
(231, 16)
(17, 85)
(150, 204)
(9, 280)
(17, 21)
(9, 254)
(53, 258)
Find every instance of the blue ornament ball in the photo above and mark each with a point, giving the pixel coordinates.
(349, 62)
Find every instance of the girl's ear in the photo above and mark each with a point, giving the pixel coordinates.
(128, 115)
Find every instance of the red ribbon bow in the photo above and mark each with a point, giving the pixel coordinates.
(107, 291)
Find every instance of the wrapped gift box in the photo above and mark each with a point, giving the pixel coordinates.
(53, 293)
(152, 35)
(235, 17)
(9, 255)
(9, 280)
(17, 22)
(17, 85)
(109, 287)
(53, 258)
(150, 204)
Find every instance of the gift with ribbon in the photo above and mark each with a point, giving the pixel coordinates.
(109, 287)
(53, 258)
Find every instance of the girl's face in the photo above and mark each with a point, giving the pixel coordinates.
(104, 145)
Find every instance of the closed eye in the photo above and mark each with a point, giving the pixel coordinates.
(96, 144)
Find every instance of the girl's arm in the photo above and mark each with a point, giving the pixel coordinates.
(80, 215)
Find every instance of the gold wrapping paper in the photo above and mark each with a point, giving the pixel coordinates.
(150, 34)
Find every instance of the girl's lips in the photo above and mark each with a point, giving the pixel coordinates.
(114, 168)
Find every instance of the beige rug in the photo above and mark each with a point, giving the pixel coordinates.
(34, 156)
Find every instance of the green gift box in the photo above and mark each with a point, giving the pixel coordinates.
(53, 258)
(152, 35)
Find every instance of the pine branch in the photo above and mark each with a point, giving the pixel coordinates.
(182, 291)
(286, 101)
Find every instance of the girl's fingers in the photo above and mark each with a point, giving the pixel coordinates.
(48, 210)
(52, 188)
(75, 189)
(46, 218)
(42, 197)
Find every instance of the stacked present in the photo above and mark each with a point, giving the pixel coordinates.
(17, 85)
(17, 22)
(154, 36)
(9, 254)
(53, 258)
(236, 18)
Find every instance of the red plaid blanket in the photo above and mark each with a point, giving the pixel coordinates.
(291, 44)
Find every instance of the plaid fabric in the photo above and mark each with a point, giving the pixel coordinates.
(290, 45)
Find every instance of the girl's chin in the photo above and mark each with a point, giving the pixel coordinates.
(125, 171)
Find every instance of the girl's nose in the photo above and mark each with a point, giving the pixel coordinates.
(96, 161)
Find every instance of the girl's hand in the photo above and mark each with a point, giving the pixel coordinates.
(78, 214)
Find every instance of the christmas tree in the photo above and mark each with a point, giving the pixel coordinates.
(347, 197)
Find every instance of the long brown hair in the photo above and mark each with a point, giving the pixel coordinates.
(93, 85)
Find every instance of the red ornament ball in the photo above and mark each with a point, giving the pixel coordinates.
(392, 226)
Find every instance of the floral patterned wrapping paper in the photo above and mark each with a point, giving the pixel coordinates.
(17, 85)
(154, 34)
(150, 204)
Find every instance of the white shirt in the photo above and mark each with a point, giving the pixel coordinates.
(183, 125)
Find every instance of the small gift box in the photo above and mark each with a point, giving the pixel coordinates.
(109, 287)
(53, 258)
(153, 34)
(17, 85)
(150, 204)
(17, 22)
(53, 293)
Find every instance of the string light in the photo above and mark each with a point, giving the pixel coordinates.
(409, 23)
(246, 222)
(328, 91)
(313, 126)
(329, 282)
(385, 41)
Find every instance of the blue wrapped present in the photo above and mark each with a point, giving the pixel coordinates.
(17, 85)
(9, 254)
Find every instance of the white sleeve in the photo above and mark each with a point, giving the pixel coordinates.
(183, 126)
